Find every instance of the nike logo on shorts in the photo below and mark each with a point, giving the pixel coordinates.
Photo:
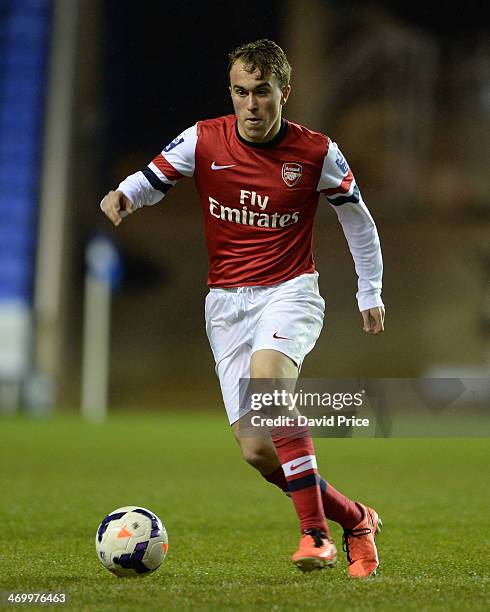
(214, 166)
(279, 337)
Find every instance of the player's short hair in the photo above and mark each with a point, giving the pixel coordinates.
(265, 55)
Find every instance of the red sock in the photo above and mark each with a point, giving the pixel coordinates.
(337, 507)
(294, 448)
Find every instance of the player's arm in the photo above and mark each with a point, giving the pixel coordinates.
(338, 184)
(150, 185)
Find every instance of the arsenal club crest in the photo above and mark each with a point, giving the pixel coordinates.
(291, 173)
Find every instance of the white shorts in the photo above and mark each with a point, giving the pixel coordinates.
(287, 317)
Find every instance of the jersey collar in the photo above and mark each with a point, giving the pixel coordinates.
(264, 145)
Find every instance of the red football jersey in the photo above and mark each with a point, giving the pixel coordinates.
(258, 199)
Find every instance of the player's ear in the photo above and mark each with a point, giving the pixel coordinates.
(285, 94)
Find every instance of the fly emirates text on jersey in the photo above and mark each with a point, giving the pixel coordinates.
(246, 216)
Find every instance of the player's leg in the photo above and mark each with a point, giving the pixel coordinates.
(292, 321)
(231, 345)
(260, 453)
(361, 524)
(294, 447)
(229, 319)
(258, 450)
(287, 329)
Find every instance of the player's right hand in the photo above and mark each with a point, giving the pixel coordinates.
(116, 206)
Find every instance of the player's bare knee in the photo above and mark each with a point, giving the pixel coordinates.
(256, 457)
(258, 453)
(252, 457)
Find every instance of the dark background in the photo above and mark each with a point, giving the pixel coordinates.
(158, 60)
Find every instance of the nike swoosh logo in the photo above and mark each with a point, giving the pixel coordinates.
(216, 167)
(279, 337)
(295, 467)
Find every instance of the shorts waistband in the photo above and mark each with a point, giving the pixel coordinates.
(245, 288)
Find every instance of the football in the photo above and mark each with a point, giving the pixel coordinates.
(131, 541)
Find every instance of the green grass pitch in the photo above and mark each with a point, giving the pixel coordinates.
(231, 534)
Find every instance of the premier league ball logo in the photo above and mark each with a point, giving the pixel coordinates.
(291, 173)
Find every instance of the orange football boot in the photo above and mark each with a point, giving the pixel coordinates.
(360, 546)
(315, 551)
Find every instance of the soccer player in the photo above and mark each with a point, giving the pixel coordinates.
(260, 178)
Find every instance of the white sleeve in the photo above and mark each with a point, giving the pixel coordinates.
(338, 184)
(176, 161)
(138, 189)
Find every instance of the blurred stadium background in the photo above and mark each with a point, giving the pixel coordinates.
(91, 90)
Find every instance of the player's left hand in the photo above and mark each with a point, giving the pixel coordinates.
(373, 320)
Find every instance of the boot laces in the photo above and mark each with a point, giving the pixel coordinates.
(317, 534)
(353, 533)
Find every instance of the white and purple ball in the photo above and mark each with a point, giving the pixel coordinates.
(131, 541)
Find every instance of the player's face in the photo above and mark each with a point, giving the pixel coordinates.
(257, 102)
